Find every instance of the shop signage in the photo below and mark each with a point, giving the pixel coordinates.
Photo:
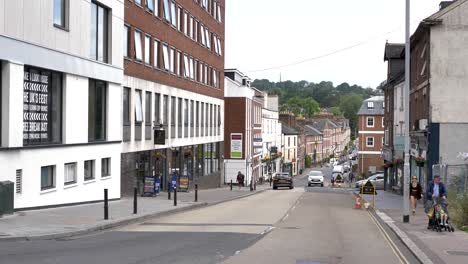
(148, 188)
(257, 143)
(236, 146)
(183, 183)
(36, 107)
(159, 137)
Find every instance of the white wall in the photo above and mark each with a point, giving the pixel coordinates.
(449, 71)
(32, 21)
(31, 161)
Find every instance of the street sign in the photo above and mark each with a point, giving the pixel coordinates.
(368, 188)
(183, 184)
(159, 137)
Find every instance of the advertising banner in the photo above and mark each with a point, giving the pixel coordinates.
(236, 146)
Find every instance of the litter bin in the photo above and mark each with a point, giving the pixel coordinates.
(6, 197)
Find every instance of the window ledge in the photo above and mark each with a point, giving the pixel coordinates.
(90, 181)
(61, 27)
(69, 186)
(103, 178)
(46, 191)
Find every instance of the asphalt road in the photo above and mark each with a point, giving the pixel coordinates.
(304, 225)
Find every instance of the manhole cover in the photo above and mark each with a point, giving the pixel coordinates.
(457, 253)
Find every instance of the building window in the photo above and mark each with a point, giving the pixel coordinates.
(42, 107)
(192, 116)
(147, 49)
(19, 181)
(47, 177)
(178, 59)
(179, 18)
(105, 167)
(202, 119)
(185, 23)
(157, 117)
(60, 13)
(138, 2)
(173, 14)
(179, 117)
(191, 69)
(126, 41)
(99, 35)
(208, 39)
(70, 173)
(126, 114)
(186, 67)
(89, 170)
(370, 142)
(383, 122)
(197, 118)
(150, 5)
(173, 116)
(167, 11)
(148, 116)
(97, 105)
(138, 114)
(165, 110)
(138, 47)
(195, 32)
(156, 8)
(370, 105)
(171, 60)
(156, 60)
(219, 120)
(202, 34)
(186, 116)
(370, 121)
(166, 61)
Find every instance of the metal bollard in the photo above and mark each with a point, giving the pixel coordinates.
(255, 186)
(251, 185)
(135, 205)
(231, 184)
(196, 192)
(175, 196)
(168, 191)
(270, 181)
(106, 205)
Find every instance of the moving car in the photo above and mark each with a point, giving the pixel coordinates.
(282, 179)
(315, 177)
(338, 169)
(376, 179)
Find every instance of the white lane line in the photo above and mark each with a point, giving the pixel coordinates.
(284, 218)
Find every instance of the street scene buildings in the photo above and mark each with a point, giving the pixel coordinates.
(156, 131)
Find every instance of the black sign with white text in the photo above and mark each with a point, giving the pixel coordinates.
(36, 106)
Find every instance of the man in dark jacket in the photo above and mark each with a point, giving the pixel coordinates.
(436, 190)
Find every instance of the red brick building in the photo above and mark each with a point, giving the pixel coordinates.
(371, 135)
(243, 128)
(173, 65)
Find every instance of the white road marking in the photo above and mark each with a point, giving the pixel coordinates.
(237, 252)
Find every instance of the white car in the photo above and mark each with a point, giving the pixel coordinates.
(315, 177)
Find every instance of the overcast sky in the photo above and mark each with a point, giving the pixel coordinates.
(267, 33)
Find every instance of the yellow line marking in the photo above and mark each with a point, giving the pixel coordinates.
(394, 248)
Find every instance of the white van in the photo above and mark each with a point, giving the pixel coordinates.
(338, 169)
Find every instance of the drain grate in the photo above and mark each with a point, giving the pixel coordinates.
(457, 253)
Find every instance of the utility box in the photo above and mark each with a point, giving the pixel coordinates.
(7, 197)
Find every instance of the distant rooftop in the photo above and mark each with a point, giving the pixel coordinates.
(372, 106)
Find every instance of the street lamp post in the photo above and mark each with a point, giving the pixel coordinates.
(407, 117)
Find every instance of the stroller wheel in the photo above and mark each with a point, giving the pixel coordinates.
(453, 229)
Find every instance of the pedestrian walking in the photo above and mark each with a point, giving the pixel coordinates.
(415, 193)
(240, 179)
(351, 176)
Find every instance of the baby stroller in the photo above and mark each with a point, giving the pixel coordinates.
(435, 223)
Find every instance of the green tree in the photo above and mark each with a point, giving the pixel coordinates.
(350, 105)
(308, 161)
(336, 111)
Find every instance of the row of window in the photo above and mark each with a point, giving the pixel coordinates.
(187, 113)
(70, 174)
(213, 7)
(371, 121)
(167, 58)
(184, 22)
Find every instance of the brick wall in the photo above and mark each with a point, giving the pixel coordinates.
(234, 120)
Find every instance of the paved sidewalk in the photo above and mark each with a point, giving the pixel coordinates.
(82, 219)
(431, 246)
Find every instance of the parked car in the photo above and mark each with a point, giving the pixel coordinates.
(282, 180)
(315, 177)
(376, 179)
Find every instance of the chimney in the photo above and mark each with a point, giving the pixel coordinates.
(444, 4)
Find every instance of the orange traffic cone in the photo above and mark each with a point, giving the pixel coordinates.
(358, 202)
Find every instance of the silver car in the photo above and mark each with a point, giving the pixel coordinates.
(376, 179)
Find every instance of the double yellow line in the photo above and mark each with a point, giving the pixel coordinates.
(394, 248)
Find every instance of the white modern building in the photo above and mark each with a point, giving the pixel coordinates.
(60, 90)
(271, 136)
